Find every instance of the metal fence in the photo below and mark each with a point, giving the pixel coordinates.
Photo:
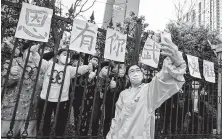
(91, 104)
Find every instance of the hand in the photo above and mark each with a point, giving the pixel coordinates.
(15, 71)
(171, 50)
(90, 67)
(83, 69)
(112, 83)
(7, 40)
(92, 75)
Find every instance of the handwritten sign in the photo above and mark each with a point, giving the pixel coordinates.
(151, 53)
(115, 46)
(208, 71)
(193, 66)
(83, 37)
(34, 23)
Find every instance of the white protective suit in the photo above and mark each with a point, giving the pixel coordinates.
(135, 108)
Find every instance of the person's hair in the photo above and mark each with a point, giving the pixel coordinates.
(106, 63)
(128, 67)
(94, 57)
(27, 45)
(49, 55)
(62, 50)
(75, 57)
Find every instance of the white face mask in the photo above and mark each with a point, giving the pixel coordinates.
(136, 78)
(62, 59)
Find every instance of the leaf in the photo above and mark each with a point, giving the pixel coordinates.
(46, 34)
(19, 28)
(34, 29)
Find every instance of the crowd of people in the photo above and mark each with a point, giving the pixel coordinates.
(91, 88)
(91, 83)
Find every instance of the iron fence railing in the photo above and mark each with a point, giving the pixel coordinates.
(91, 103)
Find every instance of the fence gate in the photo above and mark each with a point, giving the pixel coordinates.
(191, 113)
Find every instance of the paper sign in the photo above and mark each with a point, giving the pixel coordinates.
(83, 37)
(208, 71)
(115, 46)
(65, 41)
(151, 53)
(193, 66)
(34, 23)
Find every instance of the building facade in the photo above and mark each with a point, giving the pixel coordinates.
(207, 13)
(118, 10)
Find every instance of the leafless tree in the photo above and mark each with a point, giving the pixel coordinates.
(183, 6)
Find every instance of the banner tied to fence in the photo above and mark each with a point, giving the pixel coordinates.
(151, 53)
(83, 37)
(115, 46)
(193, 66)
(34, 23)
(208, 71)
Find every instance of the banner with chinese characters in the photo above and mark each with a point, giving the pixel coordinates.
(34, 23)
(83, 37)
(115, 46)
(193, 66)
(151, 53)
(208, 71)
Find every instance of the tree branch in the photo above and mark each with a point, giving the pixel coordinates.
(82, 6)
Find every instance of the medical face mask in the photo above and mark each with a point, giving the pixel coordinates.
(136, 78)
(62, 58)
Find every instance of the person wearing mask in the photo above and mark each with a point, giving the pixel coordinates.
(135, 108)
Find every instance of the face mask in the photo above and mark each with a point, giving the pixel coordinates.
(62, 59)
(136, 78)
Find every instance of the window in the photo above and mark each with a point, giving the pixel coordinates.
(218, 14)
(193, 16)
(200, 13)
(211, 14)
(187, 16)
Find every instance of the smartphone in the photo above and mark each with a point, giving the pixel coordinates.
(165, 37)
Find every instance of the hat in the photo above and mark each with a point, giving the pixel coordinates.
(128, 67)
(94, 56)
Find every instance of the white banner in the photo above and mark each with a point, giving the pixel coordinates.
(115, 46)
(208, 71)
(83, 37)
(34, 23)
(151, 53)
(193, 66)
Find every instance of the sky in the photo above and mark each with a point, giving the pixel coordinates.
(157, 12)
